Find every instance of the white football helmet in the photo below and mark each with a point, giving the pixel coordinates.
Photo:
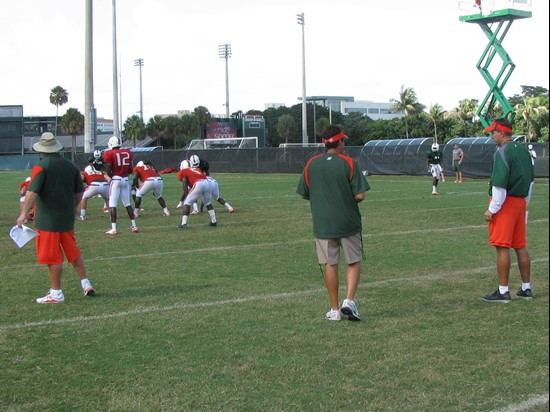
(184, 165)
(97, 154)
(89, 169)
(530, 147)
(140, 164)
(435, 147)
(113, 142)
(194, 161)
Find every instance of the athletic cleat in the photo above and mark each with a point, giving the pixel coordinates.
(141, 209)
(166, 213)
(182, 226)
(135, 229)
(194, 212)
(349, 308)
(213, 223)
(105, 210)
(87, 288)
(179, 205)
(231, 210)
(333, 315)
(81, 218)
(435, 193)
(524, 294)
(497, 297)
(51, 298)
(111, 232)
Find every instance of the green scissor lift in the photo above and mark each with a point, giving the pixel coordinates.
(501, 20)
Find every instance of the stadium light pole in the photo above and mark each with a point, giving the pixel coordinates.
(116, 122)
(225, 53)
(89, 112)
(301, 22)
(139, 63)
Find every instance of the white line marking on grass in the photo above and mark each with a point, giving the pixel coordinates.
(256, 298)
(269, 244)
(525, 406)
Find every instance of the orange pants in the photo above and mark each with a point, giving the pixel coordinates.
(51, 245)
(507, 228)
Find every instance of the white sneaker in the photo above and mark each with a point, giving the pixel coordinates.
(87, 288)
(111, 232)
(349, 308)
(333, 315)
(166, 213)
(51, 298)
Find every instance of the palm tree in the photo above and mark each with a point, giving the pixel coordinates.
(436, 115)
(204, 117)
(189, 126)
(72, 123)
(531, 108)
(154, 128)
(408, 104)
(58, 97)
(134, 128)
(285, 126)
(465, 112)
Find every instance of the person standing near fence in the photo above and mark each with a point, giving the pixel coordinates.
(458, 158)
(510, 191)
(334, 185)
(55, 189)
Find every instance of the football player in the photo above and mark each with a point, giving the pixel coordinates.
(97, 184)
(118, 165)
(150, 181)
(194, 185)
(215, 189)
(433, 161)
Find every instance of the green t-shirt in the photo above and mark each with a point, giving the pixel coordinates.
(331, 182)
(512, 169)
(55, 181)
(434, 158)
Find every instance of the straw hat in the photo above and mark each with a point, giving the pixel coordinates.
(47, 144)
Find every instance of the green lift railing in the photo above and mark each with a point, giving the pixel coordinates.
(501, 20)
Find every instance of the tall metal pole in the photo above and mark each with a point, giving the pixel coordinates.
(116, 122)
(225, 53)
(301, 22)
(89, 117)
(139, 62)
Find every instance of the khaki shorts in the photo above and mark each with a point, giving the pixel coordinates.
(328, 250)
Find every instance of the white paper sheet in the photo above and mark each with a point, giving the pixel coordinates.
(22, 235)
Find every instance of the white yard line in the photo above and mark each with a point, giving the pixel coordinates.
(255, 298)
(533, 402)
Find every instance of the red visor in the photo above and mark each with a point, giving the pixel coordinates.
(335, 138)
(499, 127)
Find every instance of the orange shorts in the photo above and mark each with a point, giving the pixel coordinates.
(507, 228)
(51, 245)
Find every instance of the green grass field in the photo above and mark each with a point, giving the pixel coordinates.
(232, 318)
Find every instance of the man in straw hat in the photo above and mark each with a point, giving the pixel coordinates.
(55, 190)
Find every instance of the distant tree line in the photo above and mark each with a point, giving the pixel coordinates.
(283, 124)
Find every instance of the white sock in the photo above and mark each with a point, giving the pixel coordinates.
(525, 286)
(228, 206)
(113, 226)
(56, 292)
(184, 219)
(212, 214)
(503, 289)
(133, 222)
(165, 210)
(83, 212)
(434, 188)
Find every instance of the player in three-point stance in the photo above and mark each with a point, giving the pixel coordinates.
(150, 181)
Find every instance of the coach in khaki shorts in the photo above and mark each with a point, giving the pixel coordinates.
(334, 186)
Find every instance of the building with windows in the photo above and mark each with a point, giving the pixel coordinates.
(105, 125)
(374, 110)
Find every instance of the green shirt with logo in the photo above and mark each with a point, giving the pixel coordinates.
(512, 169)
(55, 181)
(434, 158)
(331, 182)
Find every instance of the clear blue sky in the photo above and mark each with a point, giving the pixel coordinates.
(361, 48)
